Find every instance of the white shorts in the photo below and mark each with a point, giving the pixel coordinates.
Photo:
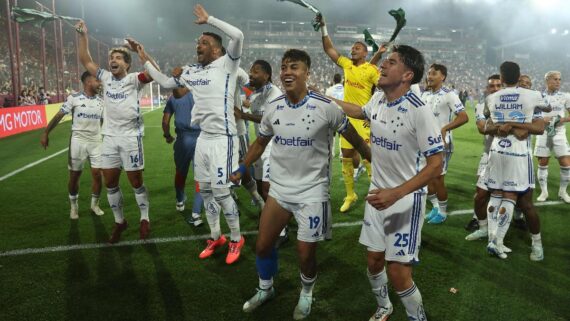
(510, 166)
(215, 159)
(122, 152)
(80, 151)
(313, 219)
(397, 230)
(482, 171)
(261, 166)
(557, 144)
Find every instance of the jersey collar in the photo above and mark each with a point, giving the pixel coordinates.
(299, 104)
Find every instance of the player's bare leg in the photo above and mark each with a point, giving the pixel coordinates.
(527, 207)
(400, 276)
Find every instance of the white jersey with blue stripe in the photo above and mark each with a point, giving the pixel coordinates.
(480, 116)
(213, 87)
(559, 101)
(401, 133)
(241, 80)
(259, 100)
(302, 136)
(122, 112)
(443, 103)
(514, 104)
(87, 114)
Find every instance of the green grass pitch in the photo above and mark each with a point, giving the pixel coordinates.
(167, 281)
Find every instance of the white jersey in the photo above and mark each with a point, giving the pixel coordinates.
(480, 116)
(301, 152)
(259, 100)
(336, 91)
(401, 133)
(213, 88)
(87, 114)
(443, 104)
(559, 102)
(515, 104)
(122, 112)
(242, 79)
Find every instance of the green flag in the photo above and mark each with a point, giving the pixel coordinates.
(400, 16)
(38, 18)
(370, 41)
(309, 6)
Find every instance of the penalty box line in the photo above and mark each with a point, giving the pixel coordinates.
(89, 246)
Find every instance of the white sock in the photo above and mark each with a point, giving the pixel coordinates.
(542, 175)
(483, 225)
(265, 284)
(536, 239)
(504, 220)
(115, 198)
(73, 200)
(379, 284)
(141, 195)
(212, 210)
(433, 199)
(492, 209)
(283, 232)
(443, 207)
(308, 284)
(564, 178)
(94, 200)
(231, 213)
(412, 300)
(251, 187)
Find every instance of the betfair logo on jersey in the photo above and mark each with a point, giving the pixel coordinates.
(199, 82)
(509, 98)
(295, 141)
(116, 96)
(385, 143)
(88, 116)
(505, 143)
(433, 141)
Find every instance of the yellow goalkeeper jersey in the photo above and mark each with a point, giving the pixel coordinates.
(358, 80)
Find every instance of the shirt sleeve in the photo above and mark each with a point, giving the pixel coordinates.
(162, 79)
(428, 134)
(169, 108)
(102, 74)
(455, 104)
(344, 62)
(265, 127)
(67, 106)
(479, 115)
(567, 102)
(367, 109)
(235, 45)
(336, 118)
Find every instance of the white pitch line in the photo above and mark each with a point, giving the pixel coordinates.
(48, 157)
(66, 248)
(32, 164)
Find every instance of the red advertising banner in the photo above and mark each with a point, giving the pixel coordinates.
(16, 120)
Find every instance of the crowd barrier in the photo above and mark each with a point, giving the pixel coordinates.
(15, 120)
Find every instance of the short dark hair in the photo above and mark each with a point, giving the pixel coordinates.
(217, 37)
(494, 76)
(510, 72)
(337, 78)
(265, 66)
(85, 75)
(297, 55)
(363, 45)
(412, 59)
(441, 68)
(126, 54)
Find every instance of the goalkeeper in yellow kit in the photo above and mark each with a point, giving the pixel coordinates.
(360, 79)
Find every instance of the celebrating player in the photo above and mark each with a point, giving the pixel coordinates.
(443, 102)
(554, 139)
(123, 129)
(360, 79)
(212, 82)
(301, 125)
(86, 109)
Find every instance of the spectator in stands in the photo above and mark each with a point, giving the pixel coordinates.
(43, 97)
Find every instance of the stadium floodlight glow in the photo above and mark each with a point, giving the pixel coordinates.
(283, 22)
(565, 33)
(260, 21)
(553, 31)
(301, 23)
(453, 30)
(419, 29)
